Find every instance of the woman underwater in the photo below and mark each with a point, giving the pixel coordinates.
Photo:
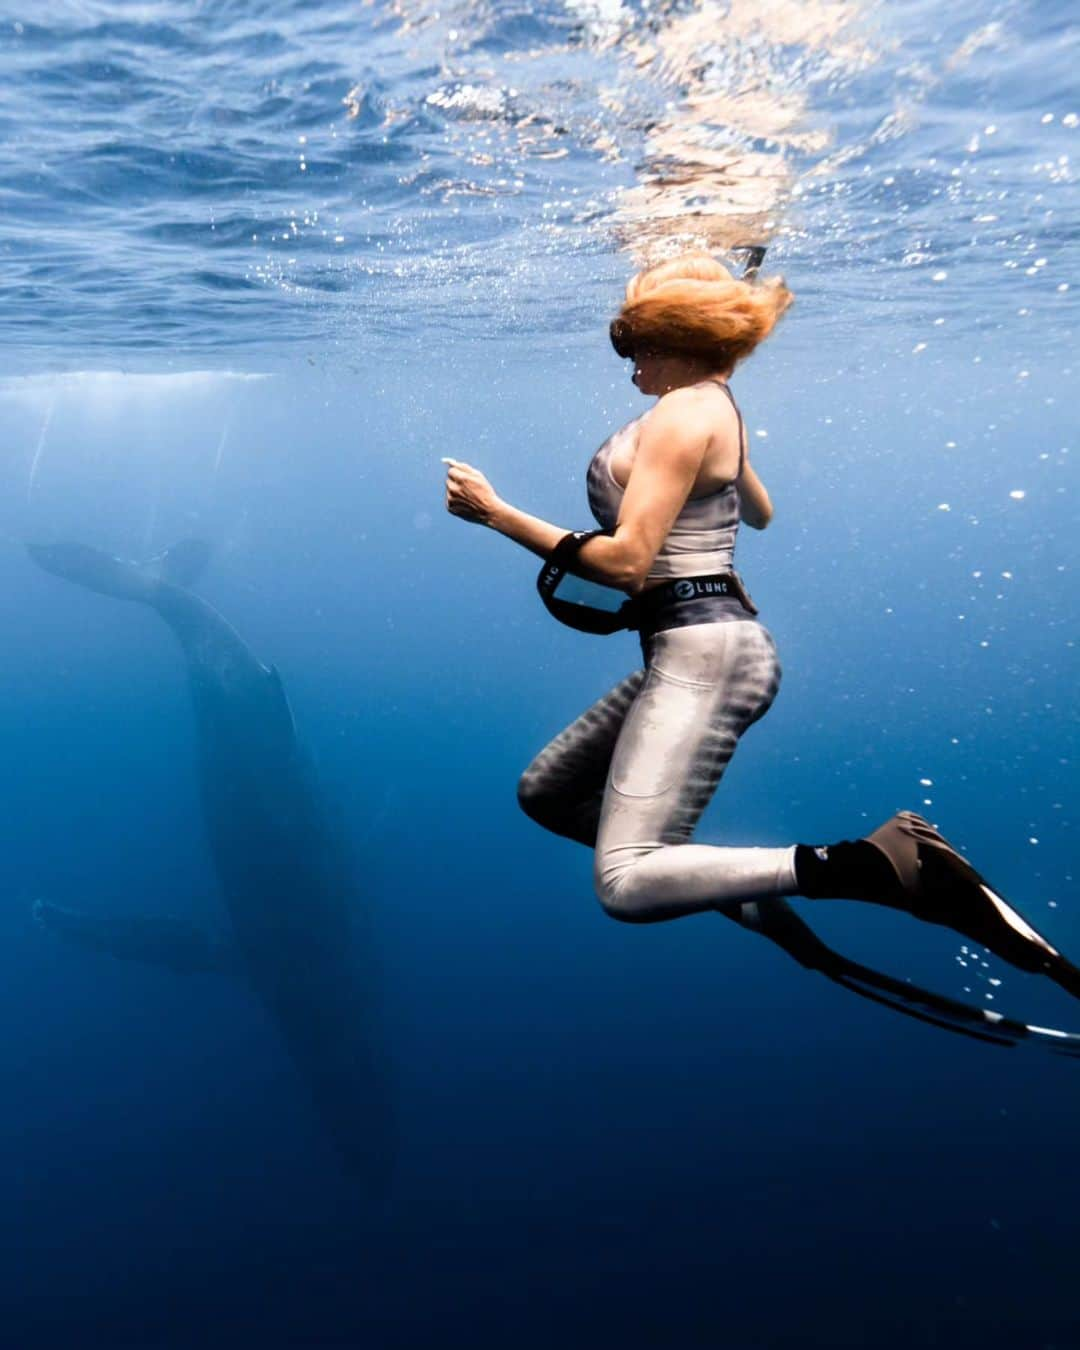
(632, 775)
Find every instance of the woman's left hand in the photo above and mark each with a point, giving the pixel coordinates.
(468, 493)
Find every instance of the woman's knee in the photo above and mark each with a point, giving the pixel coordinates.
(616, 904)
(532, 797)
(616, 892)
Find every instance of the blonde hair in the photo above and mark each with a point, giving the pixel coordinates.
(693, 305)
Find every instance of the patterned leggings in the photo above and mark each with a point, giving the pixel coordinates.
(632, 775)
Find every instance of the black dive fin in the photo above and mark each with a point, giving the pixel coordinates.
(776, 920)
(167, 943)
(183, 563)
(937, 884)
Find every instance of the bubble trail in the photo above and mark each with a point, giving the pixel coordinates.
(220, 451)
(36, 461)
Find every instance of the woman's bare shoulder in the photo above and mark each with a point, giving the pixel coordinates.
(692, 403)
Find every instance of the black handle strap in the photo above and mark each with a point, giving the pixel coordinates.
(569, 546)
(561, 560)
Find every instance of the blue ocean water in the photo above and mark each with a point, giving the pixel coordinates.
(264, 265)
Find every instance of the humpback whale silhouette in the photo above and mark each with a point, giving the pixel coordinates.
(283, 867)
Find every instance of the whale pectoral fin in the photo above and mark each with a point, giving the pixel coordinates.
(182, 563)
(95, 570)
(167, 943)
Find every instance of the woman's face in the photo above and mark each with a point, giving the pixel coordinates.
(658, 372)
(651, 370)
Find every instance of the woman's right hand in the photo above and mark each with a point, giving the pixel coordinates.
(469, 495)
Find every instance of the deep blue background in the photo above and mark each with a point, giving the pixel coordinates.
(656, 1136)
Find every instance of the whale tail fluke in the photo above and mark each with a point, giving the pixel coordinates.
(101, 572)
(163, 942)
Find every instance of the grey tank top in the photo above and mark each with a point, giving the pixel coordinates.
(702, 539)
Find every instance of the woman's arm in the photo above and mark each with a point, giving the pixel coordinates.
(470, 496)
(671, 446)
(755, 506)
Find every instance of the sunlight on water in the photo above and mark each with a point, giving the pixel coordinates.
(485, 163)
